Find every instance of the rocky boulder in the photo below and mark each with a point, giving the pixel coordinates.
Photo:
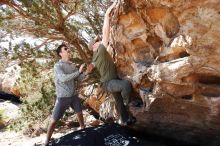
(9, 77)
(170, 50)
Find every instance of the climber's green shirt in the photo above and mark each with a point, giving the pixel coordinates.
(104, 64)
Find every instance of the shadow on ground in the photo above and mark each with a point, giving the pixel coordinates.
(111, 135)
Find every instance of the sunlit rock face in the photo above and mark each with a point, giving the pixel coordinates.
(9, 77)
(170, 51)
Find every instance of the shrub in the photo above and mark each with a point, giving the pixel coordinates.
(38, 95)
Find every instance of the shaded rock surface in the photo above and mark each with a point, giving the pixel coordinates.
(111, 135)
(170, 50)
(10, 97)
(98, 136)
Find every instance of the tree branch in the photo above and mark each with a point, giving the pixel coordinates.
(69, 14)
(96, 31)
(60, 15)
(49, 40)
(20, 11)
(9, 17)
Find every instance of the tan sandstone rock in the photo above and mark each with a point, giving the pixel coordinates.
(173, 48)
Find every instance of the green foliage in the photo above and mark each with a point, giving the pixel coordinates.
(39, 109)
(37, 104)
(1, 115)
(2, 67)
(47, 21)
(2, 119)
(71, 21)
(37, 93)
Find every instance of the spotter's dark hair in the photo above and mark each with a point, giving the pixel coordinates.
(59, 49)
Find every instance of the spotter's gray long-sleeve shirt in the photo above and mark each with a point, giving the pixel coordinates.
(65, 74)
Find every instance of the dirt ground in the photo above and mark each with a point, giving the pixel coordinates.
(12, 138)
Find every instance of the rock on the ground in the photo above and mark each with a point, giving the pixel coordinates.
(9, 78)
(9, 110)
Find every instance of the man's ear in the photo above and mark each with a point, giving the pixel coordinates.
(60, 53)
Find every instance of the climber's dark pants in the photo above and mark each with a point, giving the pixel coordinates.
(120, 89)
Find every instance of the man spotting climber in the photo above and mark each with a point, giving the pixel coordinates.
(65, 74)
(103, 62)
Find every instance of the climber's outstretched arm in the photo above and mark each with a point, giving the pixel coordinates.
(106, 25)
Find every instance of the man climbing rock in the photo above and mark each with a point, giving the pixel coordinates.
(103, 62)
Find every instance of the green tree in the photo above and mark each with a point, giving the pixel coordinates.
(52, 20)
